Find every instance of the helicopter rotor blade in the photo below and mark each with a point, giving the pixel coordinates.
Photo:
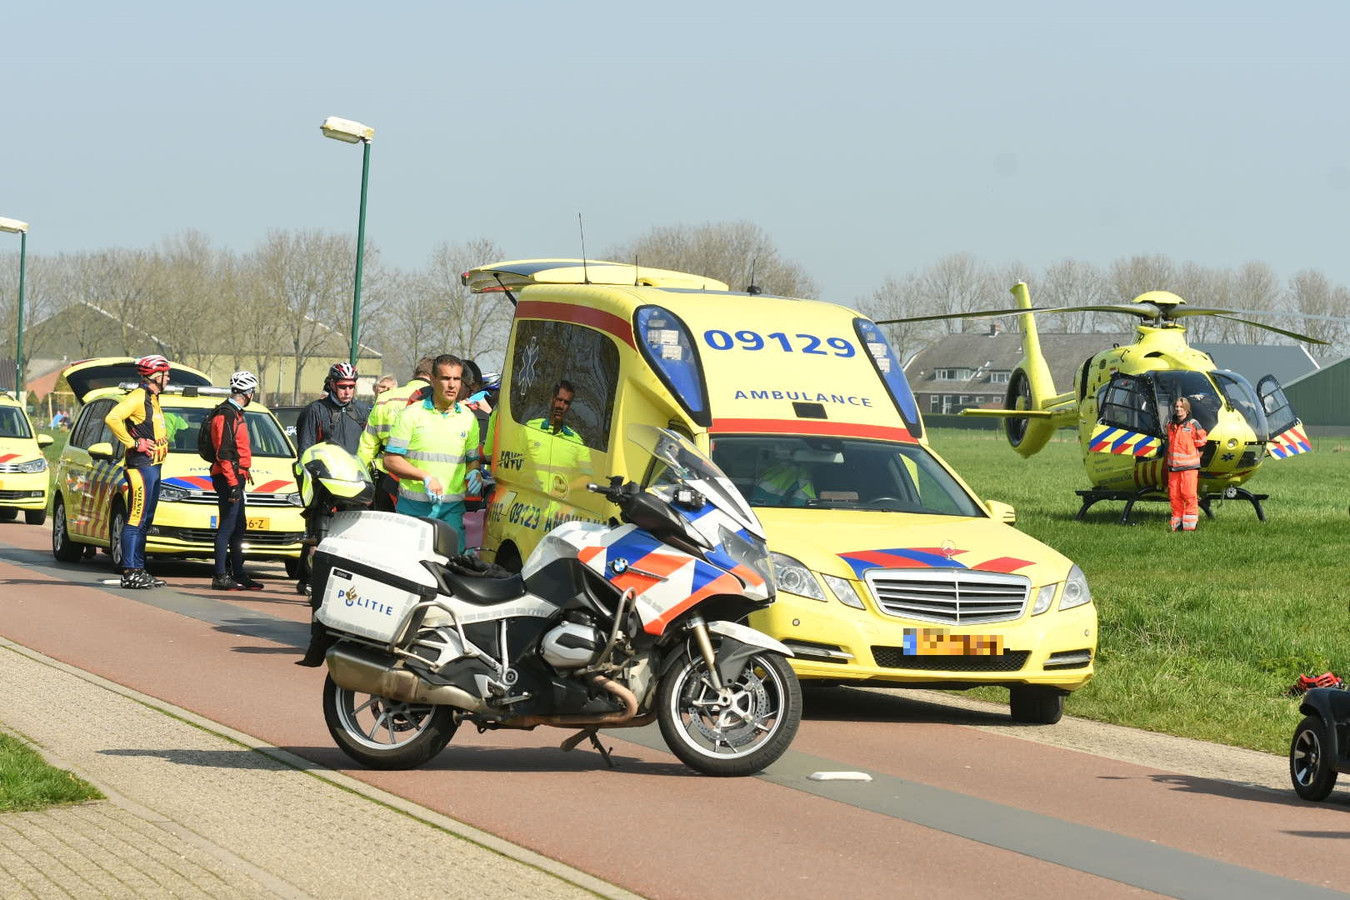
(1141, 310)
(1293, 334)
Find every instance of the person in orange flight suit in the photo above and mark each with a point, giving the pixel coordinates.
(1185, 438)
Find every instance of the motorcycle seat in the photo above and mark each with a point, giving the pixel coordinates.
(484, 591)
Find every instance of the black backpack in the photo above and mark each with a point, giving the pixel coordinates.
(205, 449)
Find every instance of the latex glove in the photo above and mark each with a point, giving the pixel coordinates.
(474, 482)
(143, 445)
(433, 487)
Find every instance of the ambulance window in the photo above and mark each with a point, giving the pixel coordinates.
(13, 423)
(91, 428)
(577, 365)
(888, 367)
(669, 350)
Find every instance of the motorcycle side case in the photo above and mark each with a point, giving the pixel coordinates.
(367, 589)
(1333, 706)
(396, 532)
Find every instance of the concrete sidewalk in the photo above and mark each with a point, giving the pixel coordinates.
(196, 809)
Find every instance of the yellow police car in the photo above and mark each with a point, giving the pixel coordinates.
(89, 507)
(23, 468)
(890, 569)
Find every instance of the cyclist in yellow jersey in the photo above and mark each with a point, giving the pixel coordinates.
(138, 423)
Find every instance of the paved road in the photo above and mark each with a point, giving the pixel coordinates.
(961, 804)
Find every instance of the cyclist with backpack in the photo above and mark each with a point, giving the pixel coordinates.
(224, 442)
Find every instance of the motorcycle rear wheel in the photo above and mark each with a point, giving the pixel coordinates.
(739, 738)
(380, 733)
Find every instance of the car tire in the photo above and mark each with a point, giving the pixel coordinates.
(63, 548)
(1035, 705)
(35, 516)
(8, 514)
(116, 522)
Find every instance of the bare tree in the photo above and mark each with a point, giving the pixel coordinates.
(1071, 283)
(897, 299)
(476, 325)
(955, 284)
(1134, 276)
(1322, 303)
(738, 253)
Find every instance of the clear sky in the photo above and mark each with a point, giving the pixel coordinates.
(867, 139)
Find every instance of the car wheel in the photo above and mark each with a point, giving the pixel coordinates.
(1311, 767)
(116, 522)
(35, 516)
(8, 514)
(1035, 705)
(63, 548)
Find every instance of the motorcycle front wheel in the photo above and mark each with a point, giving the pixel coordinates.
(739, 732)
(380, 733)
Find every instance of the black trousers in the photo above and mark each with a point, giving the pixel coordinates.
(230, 526)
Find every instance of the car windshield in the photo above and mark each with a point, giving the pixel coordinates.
(675, 460)
(265, 438)
(13, 423)
(785, 471)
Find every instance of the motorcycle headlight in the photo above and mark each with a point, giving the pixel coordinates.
(1076, 591)
(172, 494)
(33, 465)
(748, 551)
(843, 589)
(796, 578)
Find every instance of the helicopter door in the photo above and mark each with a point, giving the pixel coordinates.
(1279, 413)
(1127, 402)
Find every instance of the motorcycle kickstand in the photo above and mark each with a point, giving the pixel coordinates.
(593, 734)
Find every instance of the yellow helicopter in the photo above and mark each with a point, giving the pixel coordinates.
(1121, 399)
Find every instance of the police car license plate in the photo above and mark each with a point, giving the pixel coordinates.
(939, 642)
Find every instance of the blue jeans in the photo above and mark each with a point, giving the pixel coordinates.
(451, 514)
(142, 498)
(230, 525)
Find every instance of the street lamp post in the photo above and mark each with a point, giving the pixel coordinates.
(14, 226)
(350, 132)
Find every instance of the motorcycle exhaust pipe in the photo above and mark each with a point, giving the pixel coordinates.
(357, 668)
(626, 717)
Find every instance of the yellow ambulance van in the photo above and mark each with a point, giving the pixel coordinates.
(890, 570)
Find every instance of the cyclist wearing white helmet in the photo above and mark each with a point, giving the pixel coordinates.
(138, 423)
(227, 434)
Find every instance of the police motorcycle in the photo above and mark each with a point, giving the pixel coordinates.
(329, 480)
(607, 626)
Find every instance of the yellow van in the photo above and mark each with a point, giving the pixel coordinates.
(23, 468)
(89, 507)
(890, 570)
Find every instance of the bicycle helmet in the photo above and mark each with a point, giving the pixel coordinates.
(149, 365)
(342, 372)
(243, 382)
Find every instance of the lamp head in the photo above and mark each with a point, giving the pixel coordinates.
(13, 226)
(346, 130)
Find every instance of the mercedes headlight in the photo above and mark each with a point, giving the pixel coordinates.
(33, 465)
(796, 578)
(1044, 597)
(843, 589)
(173, 494)
(1076, 591)
(294, 499)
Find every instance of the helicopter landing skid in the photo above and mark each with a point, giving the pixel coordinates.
(1132, 497)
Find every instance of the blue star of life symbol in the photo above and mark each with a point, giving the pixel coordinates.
(527, 363)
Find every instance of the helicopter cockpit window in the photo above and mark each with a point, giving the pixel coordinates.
(1127, 401)
(1240, 395)
(1194, 386)
(1279, 412)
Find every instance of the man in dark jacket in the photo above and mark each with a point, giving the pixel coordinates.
(230, 471)
(336, 417)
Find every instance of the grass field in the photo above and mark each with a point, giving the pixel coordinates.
(28, 783)
(1201, 634)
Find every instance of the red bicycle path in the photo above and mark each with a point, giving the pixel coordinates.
(950, 811)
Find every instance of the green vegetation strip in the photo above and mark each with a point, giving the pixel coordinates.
(1201, 634)
(27, 782)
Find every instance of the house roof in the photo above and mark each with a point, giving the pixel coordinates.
(985, 353)
(1287, 362)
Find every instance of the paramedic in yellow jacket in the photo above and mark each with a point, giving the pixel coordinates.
(554, 448)
(433, 451)
(382, 415)
(138, 422)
